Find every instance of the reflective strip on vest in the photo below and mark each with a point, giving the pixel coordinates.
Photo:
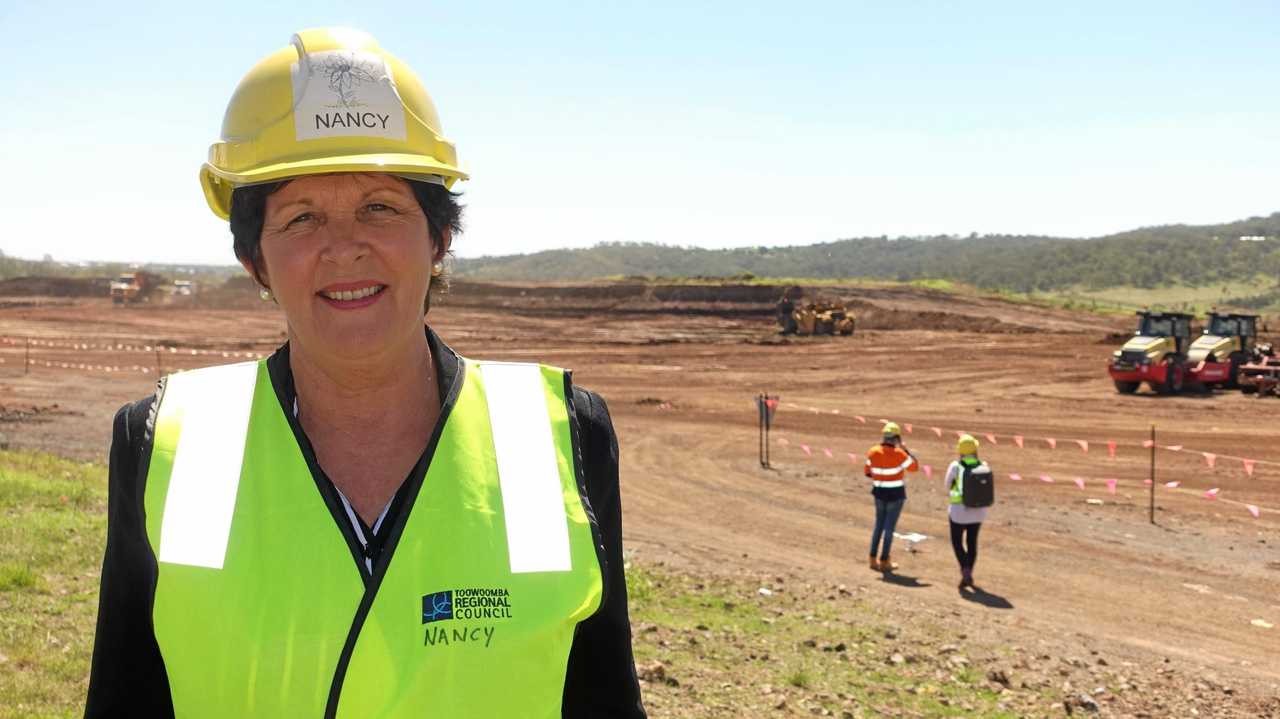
(888, 483)
(891, 471)
(285, 624)
(537, 533)
(206, 465)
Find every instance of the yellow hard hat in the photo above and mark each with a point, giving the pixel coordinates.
(332, 101)
(891, 429)
(967, 445)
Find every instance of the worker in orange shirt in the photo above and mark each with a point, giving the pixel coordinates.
(887, 467)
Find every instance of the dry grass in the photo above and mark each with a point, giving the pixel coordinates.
(52, 528)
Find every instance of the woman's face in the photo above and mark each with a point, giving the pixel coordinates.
(348, 257)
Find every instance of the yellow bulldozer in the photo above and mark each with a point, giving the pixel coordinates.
(819, 318)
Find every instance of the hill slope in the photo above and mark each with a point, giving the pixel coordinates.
(1147, 257)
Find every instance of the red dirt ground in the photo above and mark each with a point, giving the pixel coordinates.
(679, 372)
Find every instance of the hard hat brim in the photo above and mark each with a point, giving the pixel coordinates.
(219, 184)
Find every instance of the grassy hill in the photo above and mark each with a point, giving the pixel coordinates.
(1204, 256)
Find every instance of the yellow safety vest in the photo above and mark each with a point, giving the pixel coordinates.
(261, 610)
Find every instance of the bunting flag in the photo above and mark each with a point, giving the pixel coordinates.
(117, 347)
(1112, 484)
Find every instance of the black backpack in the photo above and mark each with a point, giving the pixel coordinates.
(979, 487)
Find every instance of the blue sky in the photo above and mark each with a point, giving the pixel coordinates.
(708, 124)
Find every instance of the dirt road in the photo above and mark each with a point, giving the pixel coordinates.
(679, 383)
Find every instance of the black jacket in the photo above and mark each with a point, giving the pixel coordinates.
(128, 676)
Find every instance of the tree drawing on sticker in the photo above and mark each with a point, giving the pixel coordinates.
(346, 73)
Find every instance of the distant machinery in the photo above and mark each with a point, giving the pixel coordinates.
(132, 287)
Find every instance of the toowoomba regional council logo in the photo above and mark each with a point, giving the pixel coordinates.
(444, 612)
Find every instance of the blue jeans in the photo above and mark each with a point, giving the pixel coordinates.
(886, 521)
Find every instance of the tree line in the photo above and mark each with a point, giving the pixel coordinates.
(1193, 255)
(1145, 258)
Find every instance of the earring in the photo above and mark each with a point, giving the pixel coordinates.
(265, 294)
(437, 269)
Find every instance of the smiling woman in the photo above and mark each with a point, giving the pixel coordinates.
(275, 527)
(348, 242)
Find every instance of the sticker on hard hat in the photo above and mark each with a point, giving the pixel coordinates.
(340, 93)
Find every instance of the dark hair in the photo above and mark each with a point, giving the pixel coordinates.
(249, 207)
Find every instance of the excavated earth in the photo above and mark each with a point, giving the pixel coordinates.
(1067, 571)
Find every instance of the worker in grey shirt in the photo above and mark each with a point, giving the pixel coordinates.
(971, 492)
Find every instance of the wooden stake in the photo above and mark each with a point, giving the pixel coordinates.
(1153, 474)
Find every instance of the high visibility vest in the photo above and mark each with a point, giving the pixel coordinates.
(262, 611)
(887, 466)
(962, 470)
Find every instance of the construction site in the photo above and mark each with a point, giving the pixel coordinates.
(1101, 593)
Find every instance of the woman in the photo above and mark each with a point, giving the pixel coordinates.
(365, 524)
(969, 486)
(887, 466)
